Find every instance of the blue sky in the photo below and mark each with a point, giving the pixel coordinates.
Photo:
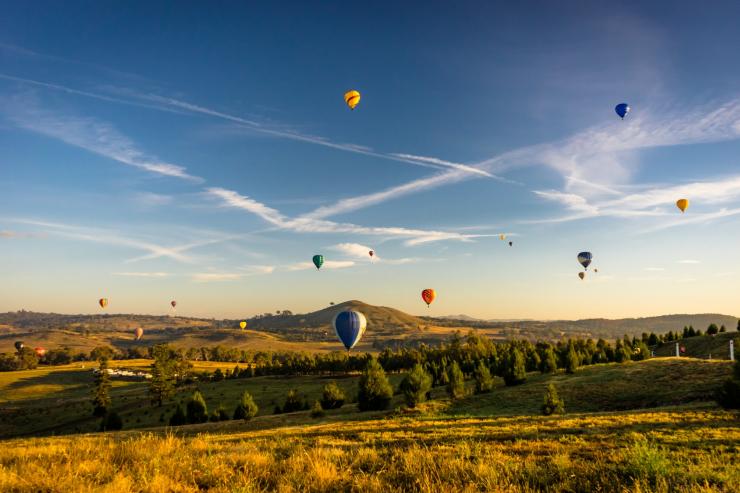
(151, 152)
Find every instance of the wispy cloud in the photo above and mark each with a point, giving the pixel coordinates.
(90, 134)
(654, 269)
(142, 274)
(689, 261)
(355, 250)
(230, 198)
(19, 234)
(328, 264)
(216, 276)
(150, 199)
(445, 164)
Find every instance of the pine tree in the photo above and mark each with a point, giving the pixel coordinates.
(712, 329)
(549, 362)
(723, 328)
(415, 385)
(375, 392)
(101, 395)
(571, 359)
(332, 396)
(293, 402)
(178, 418)
(196, 409)
(161, 385)
(456, 384)
(553, 404)
(246, 409)
(515, 372)
(483, 379)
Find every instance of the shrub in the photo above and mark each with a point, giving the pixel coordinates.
(196, 409)
(553, 404)
(483, 379)
(293, 402)
(218, 375)
(415, 385)
(317, 411)
(515, 371)
(571, 359)
(332, 397)
(375, 392)
(712, 329)
(548, 363)
(246, 409)
(456, 385)
(111, 422)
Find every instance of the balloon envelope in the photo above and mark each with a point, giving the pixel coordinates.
(139, 332)
(352, 98)
(428, 296)
(350, 326)
(502, 237)
(243, 324)
(371, 253)
(18, 345)
(581, 275)
(511, 243)
(682, 204)
(318, 261)
(103, 302)
(173, 303)
(584, 258)
(622, 109)
(40, 352)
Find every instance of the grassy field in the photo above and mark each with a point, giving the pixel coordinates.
(671, 449)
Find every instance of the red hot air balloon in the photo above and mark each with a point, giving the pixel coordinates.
(428, 296)
(371, 253)
(173, 303)
(103, 302)
(40, 352)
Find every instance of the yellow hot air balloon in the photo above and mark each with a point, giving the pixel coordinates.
(682, 204)
(352, 98)
(243, 325)
(502, 237)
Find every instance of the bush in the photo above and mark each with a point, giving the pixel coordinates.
(196, 409)
(712, 329)
(218, 375)
(483, 379)
(219, 414)
(728, 395)
(111, 422)
(332, 396)
(178, 417)
(553, 403)
(415, 385)
(456, 385)
(246, 409)
(375, 392)
(317, 411)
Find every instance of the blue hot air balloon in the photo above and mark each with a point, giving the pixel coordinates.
(584, 258)
(350, 326)
(622, 109)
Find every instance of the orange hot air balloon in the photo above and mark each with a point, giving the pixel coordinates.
(582, 275)
(40, 352)
(428, 296)
(682, 204)
(139, 332)
(103, 302)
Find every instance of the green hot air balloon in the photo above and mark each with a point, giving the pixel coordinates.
(318, 261)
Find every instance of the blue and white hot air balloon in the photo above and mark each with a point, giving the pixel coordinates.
(350, 326)
(584, 258)
(622, 109)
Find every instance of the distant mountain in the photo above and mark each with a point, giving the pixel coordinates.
(466, 318)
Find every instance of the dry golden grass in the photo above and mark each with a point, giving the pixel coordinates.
(677, 449)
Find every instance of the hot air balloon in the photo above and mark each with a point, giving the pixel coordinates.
(622, 109)
(138, 333)
(371, 253)
(40, 352)
(682, 204)
(173, 303)
(682, 349)
(352, 98)
(428, 296)
(243, 324)
(584, 258)
(103, 302)
(511, 243)
(331, 303)
(502, 237)
(350, 326)
(582, 275)
(318, 261)
(19, 346)
(596, 271)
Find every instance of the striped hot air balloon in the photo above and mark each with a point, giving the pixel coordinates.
(352, 98)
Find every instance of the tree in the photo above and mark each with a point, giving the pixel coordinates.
(456, 384)
(246, 409)
(515, 372)
(553, 404)
(294, 402)
(316, 410)
(640, 351)
(101, 394)
(162, 384)
(219, 414)
(375, 391)
(729, 395)
(102, 352)
(622, 353)
(723, 328)
(652, 339)
(332, 396)
(196, 409)
(483, 379)
(27, 359)
(712, 329)
(178, 417)
(218, 375)
(111, 422)
(415, 385)
(548, 363)
(571, 359)
(738, 325)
